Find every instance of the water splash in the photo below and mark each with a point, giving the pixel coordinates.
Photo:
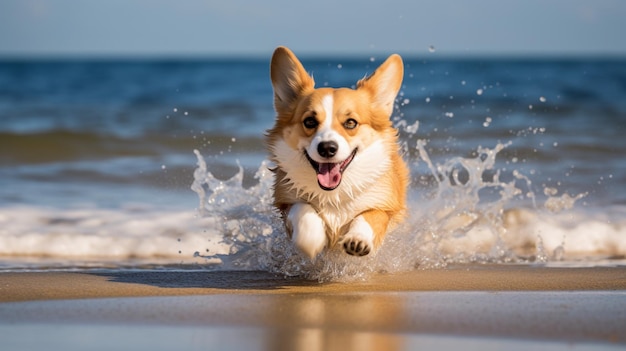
(470, 215)
(245, 214)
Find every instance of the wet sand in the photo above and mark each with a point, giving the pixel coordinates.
(523, 306)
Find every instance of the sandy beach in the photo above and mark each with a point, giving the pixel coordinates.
(474, 306)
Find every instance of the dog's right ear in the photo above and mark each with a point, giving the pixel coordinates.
(289, 78)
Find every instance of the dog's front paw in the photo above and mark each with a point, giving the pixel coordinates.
(309, 233)
(356, 246)
(359, 240)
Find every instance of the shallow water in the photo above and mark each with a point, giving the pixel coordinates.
(391, 321)
(512, 161)
(71, 337)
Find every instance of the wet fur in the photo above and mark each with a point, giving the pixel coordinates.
(370, 197)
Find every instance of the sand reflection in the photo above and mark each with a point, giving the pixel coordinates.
(350, 322)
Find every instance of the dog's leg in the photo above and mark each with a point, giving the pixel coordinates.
(366, 233)
(308, 234)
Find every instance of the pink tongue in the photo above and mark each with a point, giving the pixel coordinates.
(329, 175)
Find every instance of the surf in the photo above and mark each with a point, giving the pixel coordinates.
(475, 212)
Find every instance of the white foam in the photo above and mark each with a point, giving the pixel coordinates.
(102, 233)
(456, 223)
(237, 228)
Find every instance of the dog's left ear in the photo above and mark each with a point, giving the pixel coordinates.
(289, 78)
(384, 84)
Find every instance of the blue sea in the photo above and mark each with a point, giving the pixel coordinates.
(150, 163)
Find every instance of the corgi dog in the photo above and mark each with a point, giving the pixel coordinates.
(339, 176)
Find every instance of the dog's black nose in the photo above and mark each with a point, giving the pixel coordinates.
(327, 149)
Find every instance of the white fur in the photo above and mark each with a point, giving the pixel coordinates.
(327, 133)
(308, 229)
(358, 190)
(294, 163)
(368, 165)
(327, 104)
(360, 230)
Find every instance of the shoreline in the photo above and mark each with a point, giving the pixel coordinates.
(486, 303)
(53, 285)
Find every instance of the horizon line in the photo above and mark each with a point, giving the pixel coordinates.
(310, 55)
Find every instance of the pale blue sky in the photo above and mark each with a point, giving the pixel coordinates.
(359, 27)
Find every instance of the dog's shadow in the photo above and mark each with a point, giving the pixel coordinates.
(228, 280)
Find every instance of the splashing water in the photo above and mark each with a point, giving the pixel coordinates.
(245, 215)
(467, 217)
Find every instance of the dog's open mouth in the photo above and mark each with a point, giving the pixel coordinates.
(329, 174)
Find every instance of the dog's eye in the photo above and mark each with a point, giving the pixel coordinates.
(350, 123)
(310, 123)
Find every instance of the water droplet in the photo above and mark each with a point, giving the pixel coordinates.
(462, 82)
(372, 59)
(412, 129)
(406, 101)
(340, 66)
(175, 109)
(487, 122)
(164, 167)
(479, 91)
(233, 139)
(186, 113)
(431, 48)
(550, 191)
(427, 100)
(449, 114)
(196, 254)
(530, 107)
(542, 99)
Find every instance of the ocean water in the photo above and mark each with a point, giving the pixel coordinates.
(141, 164)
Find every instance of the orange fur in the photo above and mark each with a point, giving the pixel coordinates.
(373, 186)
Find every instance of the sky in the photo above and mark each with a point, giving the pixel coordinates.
(182, 28)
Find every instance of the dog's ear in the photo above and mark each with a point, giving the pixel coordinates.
(289, 78)
(384, 84)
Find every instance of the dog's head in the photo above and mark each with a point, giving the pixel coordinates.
(322, 135)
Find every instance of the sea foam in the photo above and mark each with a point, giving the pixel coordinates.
(470, 215)
(473, 210)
